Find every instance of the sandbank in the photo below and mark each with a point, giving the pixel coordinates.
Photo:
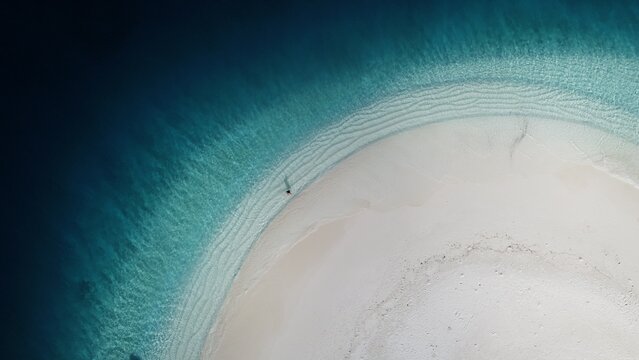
(500, 238)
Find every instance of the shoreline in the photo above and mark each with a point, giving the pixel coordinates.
(476, 171)
(208, 287)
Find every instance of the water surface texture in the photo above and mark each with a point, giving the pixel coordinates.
(187, 128)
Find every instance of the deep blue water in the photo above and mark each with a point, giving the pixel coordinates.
(140, 126)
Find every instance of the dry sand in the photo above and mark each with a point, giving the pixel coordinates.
(483, 239)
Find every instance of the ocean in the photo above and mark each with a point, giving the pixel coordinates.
(161, 134)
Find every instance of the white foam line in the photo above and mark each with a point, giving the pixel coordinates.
(204, 294)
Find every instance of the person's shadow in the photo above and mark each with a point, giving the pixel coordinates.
(288, 185)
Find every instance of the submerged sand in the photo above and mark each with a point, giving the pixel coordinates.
(483, 239)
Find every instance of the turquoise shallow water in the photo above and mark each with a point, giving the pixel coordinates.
(148, 204)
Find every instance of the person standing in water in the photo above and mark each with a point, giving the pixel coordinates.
(288, 186)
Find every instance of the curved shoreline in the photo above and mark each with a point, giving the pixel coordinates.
(210, 282)
(382, 239)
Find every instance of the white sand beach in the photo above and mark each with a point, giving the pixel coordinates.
(505, 238)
